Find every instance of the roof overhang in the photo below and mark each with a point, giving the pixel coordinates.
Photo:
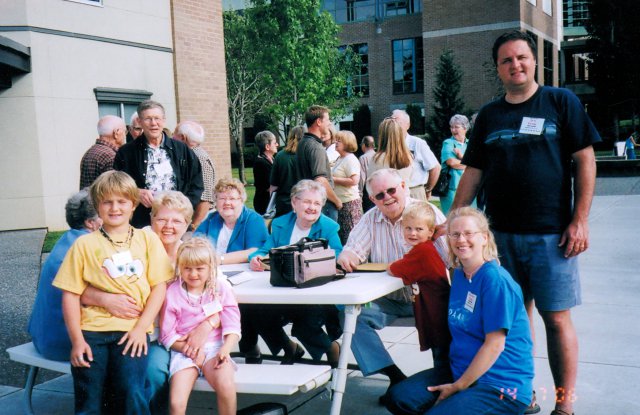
(15, 59)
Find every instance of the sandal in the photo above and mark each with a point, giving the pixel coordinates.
(533, 407)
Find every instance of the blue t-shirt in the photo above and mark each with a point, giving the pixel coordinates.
(46, 326)
(491, 301)
(524, 151)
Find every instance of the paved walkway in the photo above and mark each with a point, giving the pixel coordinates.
(606, 322)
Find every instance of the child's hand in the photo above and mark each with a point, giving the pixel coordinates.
(78, 352)
(221, 358)
(136, 340)
(199, 360)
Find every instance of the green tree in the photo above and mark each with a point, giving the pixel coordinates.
(300, 60)
(447, 100)
(246, 92)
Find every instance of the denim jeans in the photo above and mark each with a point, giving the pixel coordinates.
(157, 382)
(411, 397)
(366, 345)
(330, 210)
(118, 375)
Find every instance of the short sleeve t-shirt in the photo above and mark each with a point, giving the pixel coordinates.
(312, 160)
(489, 302)
(524, 151)
(346, 167)
(93, 260)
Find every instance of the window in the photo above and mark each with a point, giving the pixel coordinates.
(120, 102)
(546, 7)
(547, 63)
(532, 2)
(575, 13)
(535, 39)
(359, 84)
(408, 66)
(400, 7)
(578, 67)
(344, 11)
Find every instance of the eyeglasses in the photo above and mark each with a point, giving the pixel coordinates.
(174, 222)
(390, 191)
(228, 199)
(149, 120)
(467, 235)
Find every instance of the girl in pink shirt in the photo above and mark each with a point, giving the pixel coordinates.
(194, 296)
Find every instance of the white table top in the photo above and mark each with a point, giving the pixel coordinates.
(356, 288)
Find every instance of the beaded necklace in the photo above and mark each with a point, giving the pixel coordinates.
(119, 244)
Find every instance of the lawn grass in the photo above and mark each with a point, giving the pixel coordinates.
(50, 240)
(249, 187)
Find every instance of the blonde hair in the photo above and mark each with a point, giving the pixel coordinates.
(391, 143)
(295, 135)
(420, 211)
(198, 251)
(348, 140)
(226, 183)
(114, 182)
(173, 200)
(490, 251)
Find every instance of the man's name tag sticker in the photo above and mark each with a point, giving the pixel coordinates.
(164, 168)
(533, 126)
(122, 258)
(470, 302)
(212, 308)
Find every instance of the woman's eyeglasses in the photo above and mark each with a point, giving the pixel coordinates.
(390, 191)
(467, 235)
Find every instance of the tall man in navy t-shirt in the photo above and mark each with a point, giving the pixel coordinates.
(521, 150)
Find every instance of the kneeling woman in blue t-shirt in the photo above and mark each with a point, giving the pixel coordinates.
(491, 348)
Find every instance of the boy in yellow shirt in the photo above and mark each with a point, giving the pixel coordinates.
(109, 353)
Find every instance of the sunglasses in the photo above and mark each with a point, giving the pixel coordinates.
(390, 191)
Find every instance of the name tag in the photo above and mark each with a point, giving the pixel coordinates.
(470, 302)
(164, 168)
(533, 126)
(122, 258)
(212, 308)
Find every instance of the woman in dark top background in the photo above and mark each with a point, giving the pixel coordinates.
(268, 147)
(283, 174)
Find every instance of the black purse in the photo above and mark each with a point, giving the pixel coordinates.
(442, 185)
(307, 263)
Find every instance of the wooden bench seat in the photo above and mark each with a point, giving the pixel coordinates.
(268, 378)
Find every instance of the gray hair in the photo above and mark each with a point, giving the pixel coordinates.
(134, 117)
(402, 117)
(193, 131)
(393, 173)
(79, 208)
(308, 186)
(263, 138)
(109, 123)
(459, 119)
(148, 105)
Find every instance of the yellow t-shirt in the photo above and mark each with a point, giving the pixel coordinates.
(93, 260)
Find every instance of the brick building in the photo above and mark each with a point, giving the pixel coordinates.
(400, 43)
(65, 63)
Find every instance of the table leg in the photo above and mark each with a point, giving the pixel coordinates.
(28, 389)
(339, 382)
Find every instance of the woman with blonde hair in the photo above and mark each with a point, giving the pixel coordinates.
(392, 150)
(491, 348)
(346, 176)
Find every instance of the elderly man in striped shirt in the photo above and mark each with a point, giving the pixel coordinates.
(378, 238)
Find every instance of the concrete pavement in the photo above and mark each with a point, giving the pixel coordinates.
(606, 322)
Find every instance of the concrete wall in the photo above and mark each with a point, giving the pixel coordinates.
(49, 115)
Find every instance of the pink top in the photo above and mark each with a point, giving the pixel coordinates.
(180, 316)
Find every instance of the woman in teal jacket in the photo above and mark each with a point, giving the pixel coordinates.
(306, 220)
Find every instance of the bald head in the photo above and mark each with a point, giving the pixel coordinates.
(189, 132)
(403, 119)
(112, 129)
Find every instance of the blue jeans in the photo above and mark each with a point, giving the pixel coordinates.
(411, 397)
(120, 376)
(366, 345)
(537, 263)
(157, 383)
(330, 210)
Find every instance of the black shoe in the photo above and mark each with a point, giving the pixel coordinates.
(253, 360)
(294, 356)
